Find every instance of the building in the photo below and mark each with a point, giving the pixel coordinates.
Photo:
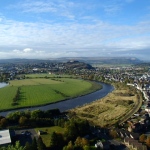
(5, 137)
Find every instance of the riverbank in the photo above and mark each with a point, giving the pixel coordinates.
(110, 109)
(40, 91)
(93, 89)
(3, 84)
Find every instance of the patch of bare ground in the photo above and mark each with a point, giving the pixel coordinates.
(110, 109)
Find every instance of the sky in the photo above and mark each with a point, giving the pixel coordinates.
(44, 29)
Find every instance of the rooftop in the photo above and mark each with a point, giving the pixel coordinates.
(4, 137)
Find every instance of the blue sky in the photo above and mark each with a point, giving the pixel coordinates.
(73, 28)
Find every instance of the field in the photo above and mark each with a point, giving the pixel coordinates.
(42, 75)
(38, 91)
(111, 109)
(49, 130)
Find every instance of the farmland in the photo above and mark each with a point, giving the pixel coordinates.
(37, 90)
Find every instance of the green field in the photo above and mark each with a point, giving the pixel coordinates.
(42, 75)
(39, 91)
(46, 137)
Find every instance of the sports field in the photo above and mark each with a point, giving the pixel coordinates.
(39, 91)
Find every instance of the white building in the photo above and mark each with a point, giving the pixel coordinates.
(4, 137)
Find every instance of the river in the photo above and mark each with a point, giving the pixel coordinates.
(3, 84)
(71, 103)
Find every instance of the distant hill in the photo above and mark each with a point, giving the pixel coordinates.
(22, 61)
(77, 65)
(104, 60)
(88, 60)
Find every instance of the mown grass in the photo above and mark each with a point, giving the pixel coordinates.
(49, 130)
(39, 91)
(6, 96)
(26, 82)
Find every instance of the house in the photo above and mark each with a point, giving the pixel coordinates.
(41, 132)
(125, 134)
(134, 136)
(134, 144)
(122, 133)
(103, 145)
(5, 138)
(99, 144)
(147, 109)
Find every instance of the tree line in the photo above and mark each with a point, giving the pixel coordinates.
(75, 129)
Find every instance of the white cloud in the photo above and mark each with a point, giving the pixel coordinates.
(58, 8)
(112, 9)
(16, 51)
(27, 50)
(44, 37)
(43, 40)
(38, 7)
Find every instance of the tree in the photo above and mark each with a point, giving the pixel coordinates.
(27, 113)
(3, 122)
(78, 141)
(113, 133)
(14, 116)
(142, 138)
(81, 142)
(53, 142)
(55, 139)
(17, 146)
(40, 144)
(37, 114)
(148, 141)
(23, 120)
(69, 146)
(34, 144)
(28, 146)
(91, 77)
(86, 147)
(71, 131)
(84, 142)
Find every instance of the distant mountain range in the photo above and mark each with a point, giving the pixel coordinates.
(103, 60)
(89, 60)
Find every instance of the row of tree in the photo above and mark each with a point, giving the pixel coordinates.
(35, 118)
(75, 129)
(17, 97)
(4, 77)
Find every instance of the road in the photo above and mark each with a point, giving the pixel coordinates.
(26, 135)
(134, 110)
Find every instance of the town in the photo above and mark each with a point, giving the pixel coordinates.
(133, 132)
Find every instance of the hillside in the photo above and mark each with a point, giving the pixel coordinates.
(88, 60)
(77, 65)
(104, 60)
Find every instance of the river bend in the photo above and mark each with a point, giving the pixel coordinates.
(71, 103)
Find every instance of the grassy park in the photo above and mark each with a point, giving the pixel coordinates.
(38, 90)
(113, 108)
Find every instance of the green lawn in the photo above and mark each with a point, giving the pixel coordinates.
(46, 137)
(38, 91)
